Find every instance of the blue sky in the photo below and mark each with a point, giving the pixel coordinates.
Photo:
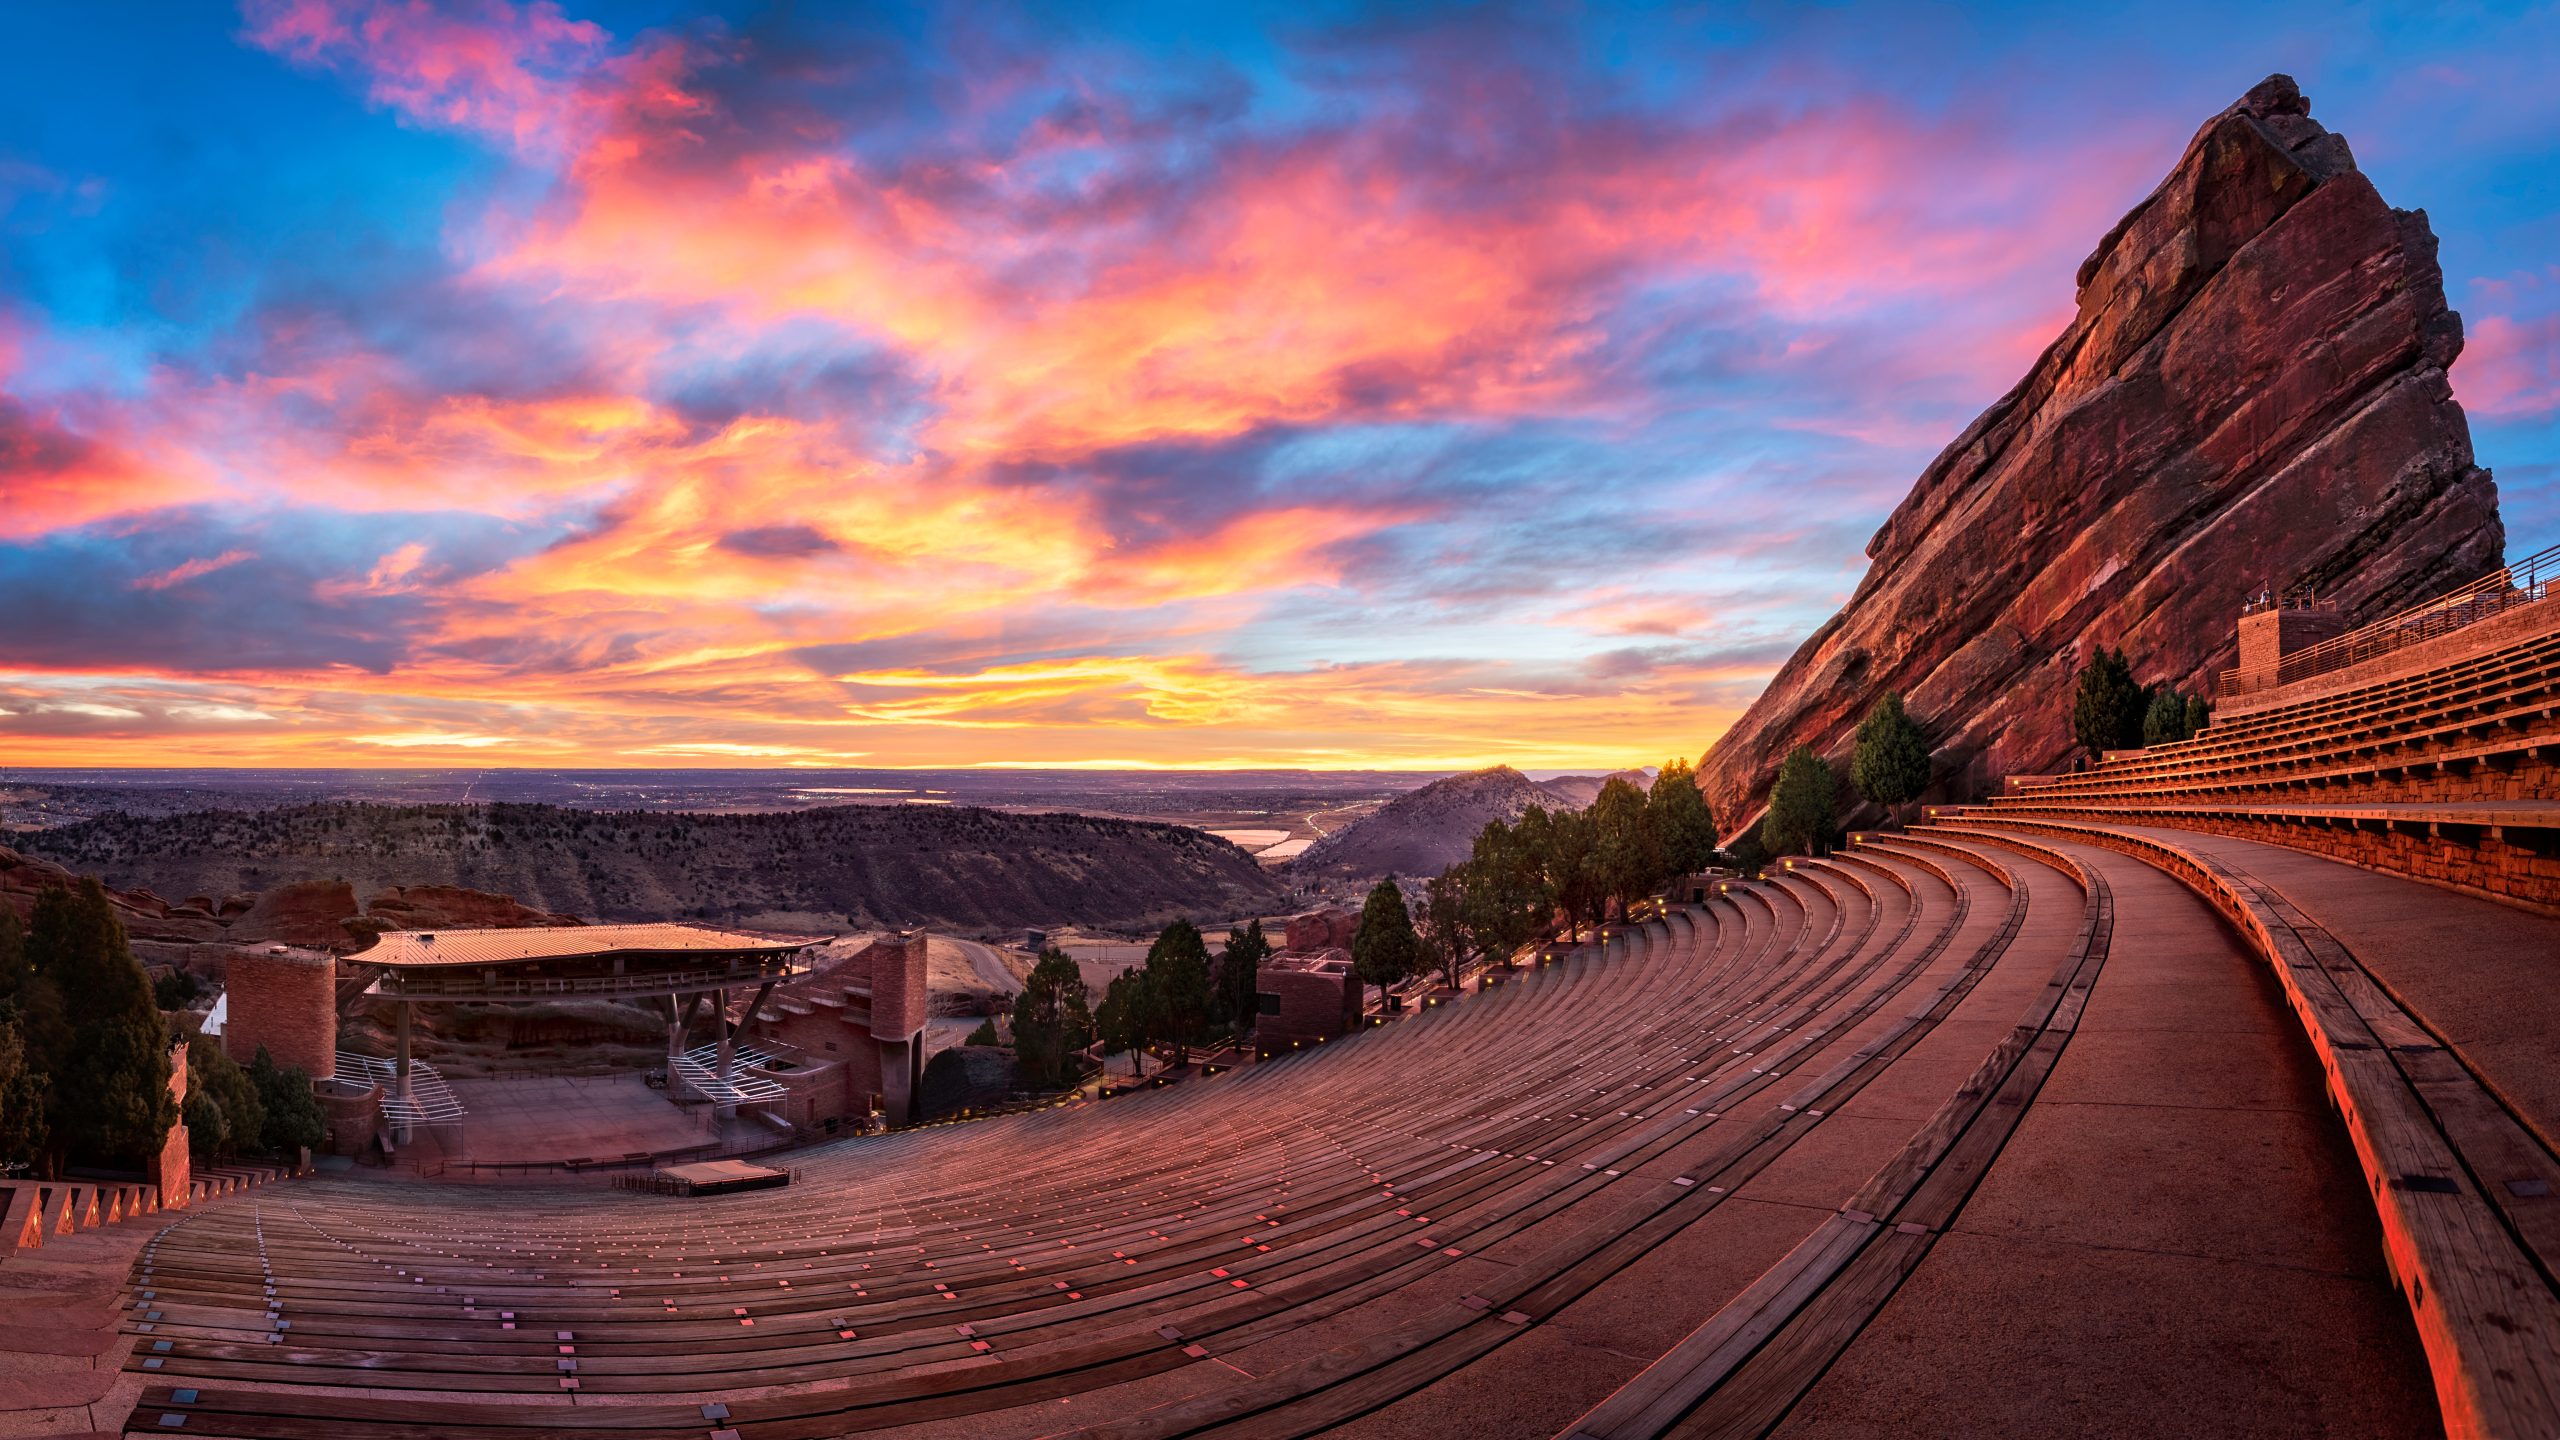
(1339, 385)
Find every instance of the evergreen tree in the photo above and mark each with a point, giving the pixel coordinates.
(1573, 863)
(1803, 806)
(2199, 715)
(239, 1114)
(1681, 818)
(1629, 849)
(1127, 1019)
(1385, 949)
(110, 1091)
(1051, 1024)
(1748, 855)
(2165, 720)
(294, 1119)
(15, 978)
(1506, 901)
(1178, 973)
(1891, 764)
(1239, 974)
(208, 1129)
(2107, 706)
(1445, 936)
(23, 1103)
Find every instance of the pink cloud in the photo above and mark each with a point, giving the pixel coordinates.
(201, 566)
(2510, 368)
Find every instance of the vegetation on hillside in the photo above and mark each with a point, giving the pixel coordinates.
(876, 865)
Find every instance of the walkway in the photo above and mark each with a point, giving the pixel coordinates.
(2174, 1241)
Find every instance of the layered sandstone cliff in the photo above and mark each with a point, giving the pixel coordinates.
(2252, 394)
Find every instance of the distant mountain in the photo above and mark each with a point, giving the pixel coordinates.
(868, 865)
(1423, 831)
(1576, 792)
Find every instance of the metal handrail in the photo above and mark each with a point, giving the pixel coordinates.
(2523, 582)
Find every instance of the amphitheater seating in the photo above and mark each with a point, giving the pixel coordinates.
(1752, 1118)
(2448, 771)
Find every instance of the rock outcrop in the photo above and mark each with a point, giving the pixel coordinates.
(317, 913)
(2253, 394)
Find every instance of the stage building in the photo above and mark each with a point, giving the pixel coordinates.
(813, 1040)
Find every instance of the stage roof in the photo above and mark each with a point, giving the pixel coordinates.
(414, 949)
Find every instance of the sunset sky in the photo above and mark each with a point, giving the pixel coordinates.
(649, 384)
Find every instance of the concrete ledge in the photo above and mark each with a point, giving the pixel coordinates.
(56, 1389)
(2488, 1319)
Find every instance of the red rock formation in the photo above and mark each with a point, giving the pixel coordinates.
(2253, 394)
(316, 913)
(450, 907)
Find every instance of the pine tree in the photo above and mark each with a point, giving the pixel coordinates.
(239, 1115)
(1630, 849)
(23, 1103)
(1803, 806)
(1127, 1019)
(2199, 715)
(1891, 764)
(1239, 974)
(2107, 706)
(1178, 973)
(1051, 1024)
(110, 1102)
(294, 1119)
(1507, 904)
(1385, 949)
(1682, 819)
(1573, 866)
(2165, 720)
(1444, 930)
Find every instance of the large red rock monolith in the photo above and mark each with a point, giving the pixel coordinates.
(2253, 394)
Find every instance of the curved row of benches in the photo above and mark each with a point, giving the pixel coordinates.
(1632, 1145)
(969, 1270)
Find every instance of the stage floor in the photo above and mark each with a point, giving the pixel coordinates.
(559, 1118)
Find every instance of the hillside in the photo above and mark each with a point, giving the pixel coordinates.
(2252, 395)
(1423, 831)
(951, 866)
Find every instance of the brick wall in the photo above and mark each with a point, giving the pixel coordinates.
(1313, 1006)
(898, 1002)
(288, 1003)
(173, 1169)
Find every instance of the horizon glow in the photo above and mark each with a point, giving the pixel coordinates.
(397, 384)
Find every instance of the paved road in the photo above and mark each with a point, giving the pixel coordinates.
(989, 965)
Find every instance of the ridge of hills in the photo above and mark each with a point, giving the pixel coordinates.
(868, 866)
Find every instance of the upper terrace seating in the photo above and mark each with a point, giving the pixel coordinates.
(1752, 1118)
(2446, 768)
